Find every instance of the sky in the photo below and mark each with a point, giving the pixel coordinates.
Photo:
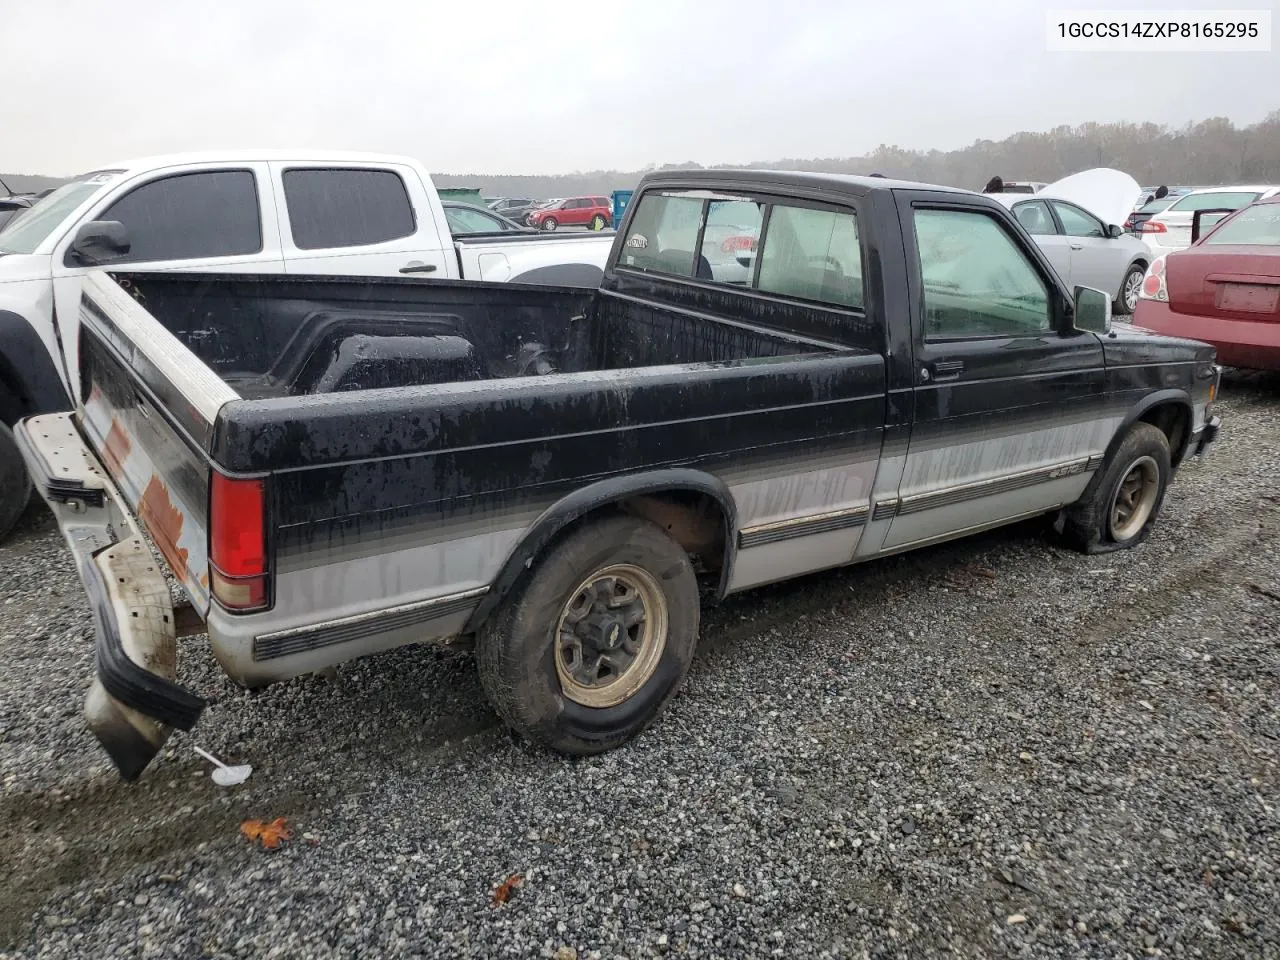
(557, 86)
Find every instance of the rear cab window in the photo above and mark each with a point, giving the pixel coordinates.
(346, 207)
(792, 249)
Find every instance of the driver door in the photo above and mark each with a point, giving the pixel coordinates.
(1010, 414)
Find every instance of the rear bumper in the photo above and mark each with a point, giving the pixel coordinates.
(1253, 345)
(135, 702)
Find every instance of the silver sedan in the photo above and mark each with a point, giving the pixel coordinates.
(1084, 250)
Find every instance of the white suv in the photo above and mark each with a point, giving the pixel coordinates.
(1170, 229)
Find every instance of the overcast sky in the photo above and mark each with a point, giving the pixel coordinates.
(563, 85)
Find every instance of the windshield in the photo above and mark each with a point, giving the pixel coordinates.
(1230, 199)
(29, 229)
(1255, 226)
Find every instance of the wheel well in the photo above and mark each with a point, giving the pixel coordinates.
(1174, 420)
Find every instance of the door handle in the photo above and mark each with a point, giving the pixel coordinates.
(1076, 246)
(417, 266)
(947, 369)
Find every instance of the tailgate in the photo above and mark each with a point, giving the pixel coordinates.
(148, 410)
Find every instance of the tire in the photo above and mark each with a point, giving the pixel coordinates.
(15, 485)
(527, 662)
(598, 222)
(550, 223)
(1141, 466)
(1127, 298)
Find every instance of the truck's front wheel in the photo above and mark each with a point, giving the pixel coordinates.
(15, 485)
(1120, 506)
(588, 651)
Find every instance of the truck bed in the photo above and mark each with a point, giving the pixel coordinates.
(270, 337)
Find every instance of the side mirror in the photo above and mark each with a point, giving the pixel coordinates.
(1202, 220)
(99, 241)
(1093, 310)
(1115, 232)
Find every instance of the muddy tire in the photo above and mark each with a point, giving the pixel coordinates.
(585, 653)
(1120, 506)
(15, 485)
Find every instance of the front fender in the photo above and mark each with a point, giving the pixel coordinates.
(585, 500)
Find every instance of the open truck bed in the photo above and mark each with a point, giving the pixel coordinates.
(332, 467)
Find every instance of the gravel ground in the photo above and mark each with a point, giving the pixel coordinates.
(991, 749)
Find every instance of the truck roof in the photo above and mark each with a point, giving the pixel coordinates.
(839, 182)
(138, 164)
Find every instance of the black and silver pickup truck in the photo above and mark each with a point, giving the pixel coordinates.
(780, 373)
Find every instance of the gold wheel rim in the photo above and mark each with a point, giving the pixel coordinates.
(610, 635)
(1134, 499)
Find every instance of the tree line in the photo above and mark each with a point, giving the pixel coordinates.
(1211, 152)
(1208, 153)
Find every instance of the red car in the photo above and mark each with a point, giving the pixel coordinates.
(594, 212)
(1224, 289)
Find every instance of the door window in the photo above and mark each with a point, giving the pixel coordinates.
(977, 281)
(1077, 223)
(663, 234)
(190, 216)
(1035, 218)
(346, 207)
(466, 220)
(813, 255)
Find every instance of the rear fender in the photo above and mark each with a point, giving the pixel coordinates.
(591, 498)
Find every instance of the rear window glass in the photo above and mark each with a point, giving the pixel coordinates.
(331, 208)
(663, 233)
(1258, 225)
(1232, 199)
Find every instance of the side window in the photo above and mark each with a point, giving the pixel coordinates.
(1077, 223)
(814, 255)
(346, 208)
(977, 282)
(190, 216)
(463, 220)
(663, 234)
(1035, 218)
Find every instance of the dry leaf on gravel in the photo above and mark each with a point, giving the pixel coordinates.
(269, 835)
(504, 890)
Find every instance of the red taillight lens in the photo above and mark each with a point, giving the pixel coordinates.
(1153, 285)
(238, 542)
(1154, 226)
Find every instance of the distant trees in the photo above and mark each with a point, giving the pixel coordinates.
(1209, 152)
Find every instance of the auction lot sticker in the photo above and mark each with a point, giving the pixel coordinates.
(1158, 31)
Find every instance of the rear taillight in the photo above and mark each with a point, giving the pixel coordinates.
(1153, 285)
(238, 542)
(1154, 226)
(737, 244)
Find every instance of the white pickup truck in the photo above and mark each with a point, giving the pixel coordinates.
(278, 212)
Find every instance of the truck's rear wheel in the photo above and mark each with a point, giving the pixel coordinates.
(15, 485)
(587, 652)
(1120, 506)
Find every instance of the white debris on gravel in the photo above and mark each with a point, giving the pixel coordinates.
(992, 748)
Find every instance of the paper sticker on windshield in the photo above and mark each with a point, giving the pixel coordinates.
(637, 240)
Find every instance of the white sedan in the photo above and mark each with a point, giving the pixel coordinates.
(1170, 229)
(1076, 222)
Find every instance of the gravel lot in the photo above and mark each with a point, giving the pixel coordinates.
(992, 749)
